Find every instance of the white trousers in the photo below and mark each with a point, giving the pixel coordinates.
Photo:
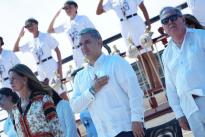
(197, 119)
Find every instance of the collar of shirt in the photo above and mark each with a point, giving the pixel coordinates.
(75, 18)
(98, 62)
(188, 30)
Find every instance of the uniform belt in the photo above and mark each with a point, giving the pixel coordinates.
(44, 60)
(76, 47)
(129, 16)
(6, 78)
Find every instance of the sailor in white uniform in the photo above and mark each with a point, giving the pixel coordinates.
(7, 60)
(132, 27)
(41, 48)
(72, 28)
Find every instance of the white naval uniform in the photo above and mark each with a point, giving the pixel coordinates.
(133, 27)
(197, 9)
(73, 29)
(40, 48)
(7, 60)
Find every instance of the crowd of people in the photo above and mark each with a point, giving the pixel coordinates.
(106, 90)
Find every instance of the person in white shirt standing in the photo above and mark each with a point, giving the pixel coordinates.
(41, 48)
(132, 27)
(109, 91)
(184, 69)
(197, 9)
(72, 28)
(7, 60)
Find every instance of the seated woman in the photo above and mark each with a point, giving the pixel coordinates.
(8, 99)
(35, 114)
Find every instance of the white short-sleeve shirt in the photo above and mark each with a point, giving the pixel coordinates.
(120, 6)
(7, 60)
(133, 27)
(41, 48)
(72, 29)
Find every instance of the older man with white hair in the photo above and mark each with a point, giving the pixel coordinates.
(184, 69)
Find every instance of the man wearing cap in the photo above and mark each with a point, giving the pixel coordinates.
(72, 28)
(114, 100)
(7, 60)
(184, 70)
(41, 47)
(132, 27)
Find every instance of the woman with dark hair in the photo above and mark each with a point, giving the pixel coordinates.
(8, 99)
(35, 114)
(192, 22)
(7, 60)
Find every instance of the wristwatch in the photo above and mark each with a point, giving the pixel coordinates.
(92, 91)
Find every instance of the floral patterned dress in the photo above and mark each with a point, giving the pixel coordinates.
(39, 118)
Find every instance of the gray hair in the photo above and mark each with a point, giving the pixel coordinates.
(92, 32)
(176, 10)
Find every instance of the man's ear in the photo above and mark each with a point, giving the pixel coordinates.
(100, 42)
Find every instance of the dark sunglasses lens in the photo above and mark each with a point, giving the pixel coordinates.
(173, 18)
(28, 26)
(65, 8)
(165, 21)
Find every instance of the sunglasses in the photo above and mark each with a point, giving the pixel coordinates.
(29, 25)
(66, 7)
(171, 18)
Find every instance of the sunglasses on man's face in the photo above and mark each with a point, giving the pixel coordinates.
(29, 25)
(171, 18)
(67, 7)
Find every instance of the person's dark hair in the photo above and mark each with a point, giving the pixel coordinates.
(192, 22)
(31, 20)
(56, 98)
(92, 32)
(8, 92)
(70, 2)
(176, 10)
(36, 87)
(2, 42)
